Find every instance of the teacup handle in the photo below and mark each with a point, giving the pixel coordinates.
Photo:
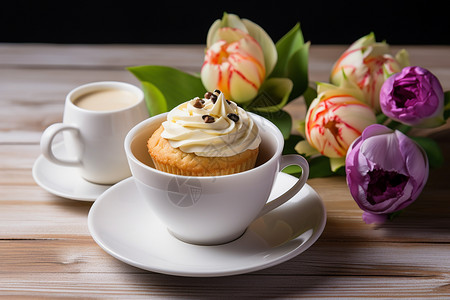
(288, 160)
(47, 138)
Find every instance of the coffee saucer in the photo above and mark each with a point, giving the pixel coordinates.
(65, 181)
(123, 225)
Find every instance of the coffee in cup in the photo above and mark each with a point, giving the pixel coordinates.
(107, 99)
(97, 117)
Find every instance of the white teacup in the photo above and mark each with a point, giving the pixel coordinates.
(97, 117)
(214, 209)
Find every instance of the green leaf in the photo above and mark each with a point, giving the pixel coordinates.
(155, 100)
(432, 149)
(310, 94)
(289, 148)
(381, 118)
(281, 119)
(167, 87)
(286, 46)
(320, 167)
(446, 105)
(290, 143)
(298, 71)
(395, 214)
(336, 163)
(293, 60)
(273, 95)
(293, 170)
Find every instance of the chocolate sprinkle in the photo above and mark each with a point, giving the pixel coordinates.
(199, 103)
(208, 95)
(233, 117)
(213, 98)
(208, 119)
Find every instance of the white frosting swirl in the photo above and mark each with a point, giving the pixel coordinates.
(187, 130)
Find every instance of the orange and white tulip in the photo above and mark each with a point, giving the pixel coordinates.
(368, 64)
(236, 66)
(335, 119)
(239, 56)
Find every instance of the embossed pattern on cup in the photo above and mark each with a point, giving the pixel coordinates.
(213, 209)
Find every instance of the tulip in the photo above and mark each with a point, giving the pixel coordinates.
(236, 68)
(385, 171)
(368, 64)
(413, 97)
(336, 118)
(239, 56)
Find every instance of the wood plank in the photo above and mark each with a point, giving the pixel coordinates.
(83, 270)
(81, 254)
(188, 57)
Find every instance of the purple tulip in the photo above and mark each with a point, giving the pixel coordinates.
(413, 97)
(386, 172)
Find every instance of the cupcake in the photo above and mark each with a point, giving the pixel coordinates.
(207, 136)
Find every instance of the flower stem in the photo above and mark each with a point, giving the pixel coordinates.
(398, 126)
(381, 118)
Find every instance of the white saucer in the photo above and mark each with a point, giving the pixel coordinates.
(123, 225)
(65, 181)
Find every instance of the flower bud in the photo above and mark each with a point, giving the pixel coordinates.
(336, 118)
(413, 97)
(234, 65)
(368, 64)
(386, 171)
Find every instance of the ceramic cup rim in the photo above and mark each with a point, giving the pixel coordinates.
(143, 124)
(94, 86)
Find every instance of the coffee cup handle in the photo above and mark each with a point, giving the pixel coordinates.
(288, 160)
(46, 143)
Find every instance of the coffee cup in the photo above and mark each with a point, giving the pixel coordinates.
(211, 210)
(97, 117)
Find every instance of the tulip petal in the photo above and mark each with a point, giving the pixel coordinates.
(267, 45)
(230, 35)
(415, 158)
(228, 20)
(363, 41)
(211, 76)
(402, 57)
(304, 148)
(375, 129)
(211, 37)
(241, 87)
(233, 21)
(388, 145)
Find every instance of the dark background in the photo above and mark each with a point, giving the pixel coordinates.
(187, 22)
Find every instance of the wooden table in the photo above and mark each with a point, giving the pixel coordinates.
(46, 249)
